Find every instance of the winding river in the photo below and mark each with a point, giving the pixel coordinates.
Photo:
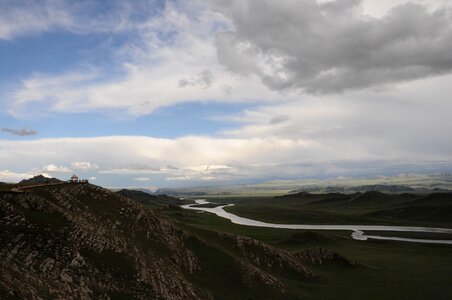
(357, 234)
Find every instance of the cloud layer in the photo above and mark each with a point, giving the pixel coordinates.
(214, 159)
(333, 88)
(250, 51)
(173, 60)
(334, 46)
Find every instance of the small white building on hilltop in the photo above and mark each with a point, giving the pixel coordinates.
(75, 179)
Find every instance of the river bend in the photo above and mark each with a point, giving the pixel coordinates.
(357, 234)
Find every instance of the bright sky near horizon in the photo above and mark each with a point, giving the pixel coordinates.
(181, 93)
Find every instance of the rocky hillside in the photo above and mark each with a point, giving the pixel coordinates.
(80, 241)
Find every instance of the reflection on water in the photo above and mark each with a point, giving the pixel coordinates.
(358, 230)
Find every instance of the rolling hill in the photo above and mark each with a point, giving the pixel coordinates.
(152, 200)
(80, 241)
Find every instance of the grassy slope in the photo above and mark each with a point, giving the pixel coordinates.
(390, 270)
(220, 271)
(319, 209)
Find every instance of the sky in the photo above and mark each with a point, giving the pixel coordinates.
(154, 93)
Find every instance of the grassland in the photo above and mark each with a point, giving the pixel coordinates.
(361, 208)
(384, 270)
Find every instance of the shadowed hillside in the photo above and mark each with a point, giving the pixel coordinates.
(80, 241)
(40, 179)
(152, 200)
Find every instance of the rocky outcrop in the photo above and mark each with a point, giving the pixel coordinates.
(84, 242)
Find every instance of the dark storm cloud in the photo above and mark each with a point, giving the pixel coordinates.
(20, 132)
(332, 47)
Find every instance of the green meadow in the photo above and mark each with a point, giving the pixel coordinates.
(382, 269)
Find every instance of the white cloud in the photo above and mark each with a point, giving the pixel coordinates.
(142, 179)
(207, 168)
(216, 51)
(54, 169)
(10, 176)
(22, 18)
(233, 52)
(16, 20)
(83, 166)
(131, 169)
(379, 8)
(156, 72)
(311, 152)
(407, 123)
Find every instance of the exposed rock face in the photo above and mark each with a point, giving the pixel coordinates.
(84, 242)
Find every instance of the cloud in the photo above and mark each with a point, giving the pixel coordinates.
(407, 122)
(142, 179)
(204, 79)
(373, 75)
(83, 166)
(244, 51)
(173, 60)
(20, 132)
(279, 119)
(392, 131)
(131, 169)
(55, 169)
(379, 8)
(18, 20)
(10, 176)
(21, 18)
(304, 151)
(334, 46)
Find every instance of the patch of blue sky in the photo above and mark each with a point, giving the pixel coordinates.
(138, 10)
(57, 52)
(170, 122)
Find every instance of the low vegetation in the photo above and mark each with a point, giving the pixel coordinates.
(383, 269)
(82, 241)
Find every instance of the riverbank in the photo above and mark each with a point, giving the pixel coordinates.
(357, 230)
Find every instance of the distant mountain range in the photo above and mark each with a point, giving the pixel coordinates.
(408, 183)
(394, 189)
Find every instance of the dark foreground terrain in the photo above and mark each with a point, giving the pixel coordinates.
(80, 241)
